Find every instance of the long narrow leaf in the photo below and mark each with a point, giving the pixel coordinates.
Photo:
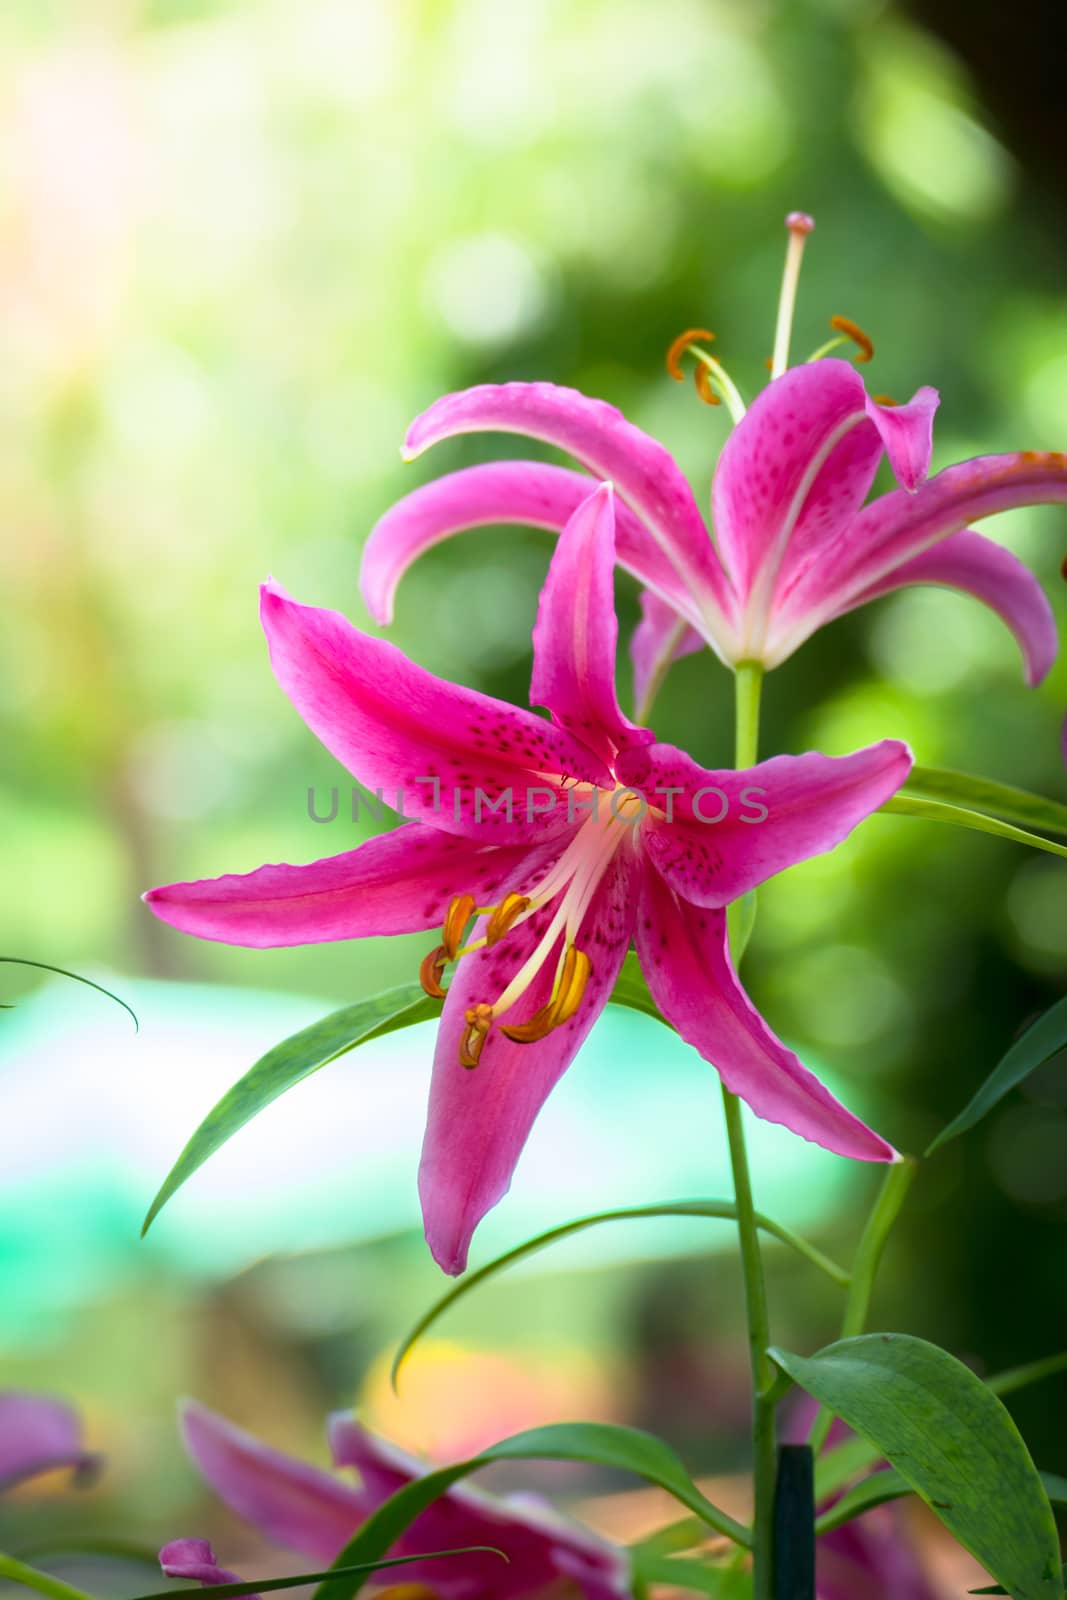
(233, 1591)
(45, 966)
(289, 1063)
(902, 805)
(721, 1210)
(598, 1442)
(1041, 1040)
(983, 794)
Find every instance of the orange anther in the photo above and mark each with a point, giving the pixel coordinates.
(430, 970)
(457, 916)
(505, 916)
(681, 344)
(702, 379)
(853, 331)
(884, 400)
(478, 1019)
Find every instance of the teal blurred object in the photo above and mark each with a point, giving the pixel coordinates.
(96, 1116)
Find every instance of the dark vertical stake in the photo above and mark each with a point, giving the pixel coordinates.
(794, 1524)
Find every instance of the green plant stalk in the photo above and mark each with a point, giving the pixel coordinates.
(43, 1582)
(748, 683)
(884, 1213)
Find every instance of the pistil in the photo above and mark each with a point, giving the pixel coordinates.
(799, 226)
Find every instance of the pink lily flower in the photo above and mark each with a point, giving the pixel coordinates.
(795, 545)
(39, 1434)
(565, 839)
(314, 1514)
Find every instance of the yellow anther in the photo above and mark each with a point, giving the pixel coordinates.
(853, 331)
(479, 1019)
(407, 1591)
(433, 965)
(457, 916)
(884, 400)
(572, 982)
(566, 998)
(679, 346)
(505, 916)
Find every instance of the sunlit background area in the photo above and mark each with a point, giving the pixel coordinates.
(241, 246)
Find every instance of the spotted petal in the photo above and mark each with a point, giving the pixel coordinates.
(597, 435)
(800, 464)
(976, 565)
(715, 835)
(480, 1118)
(399, 729)
(397, 882)
(685, 957)
(526, 492)
(898, 527)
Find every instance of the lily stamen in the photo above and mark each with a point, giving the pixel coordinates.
(711, 379)
(457, 917)
(566, 998)
(479, 1020)
(431, 969)
(505, 915)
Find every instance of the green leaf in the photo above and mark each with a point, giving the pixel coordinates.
(632, 991)
(289, 1063)
(44, 966)
(1041, 1040)
(721, 1583)
(1055, 1488)
(1016, 1378)
(954, 1443)
(837, 1467)
(982, 794)
(873, 1491)
(602, 1443)
(903, 805)
(721, 1210)
(232, 1591)
(996, 1589)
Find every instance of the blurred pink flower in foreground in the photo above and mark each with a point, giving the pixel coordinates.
(315, 1514)
(606, 836)
(39, 1434)
(795, 545)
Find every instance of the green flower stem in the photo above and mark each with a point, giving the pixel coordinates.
(1008, 1382)
(748, 682)
(43, 1582)
(884, 1213)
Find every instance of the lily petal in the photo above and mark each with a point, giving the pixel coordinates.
(195, 1559)
(479, 1119)
(660, 638)
(975, 564)
(398, 728)
(398, 882)
(527, 492)
(541, 1546)
(40, 1434)
(597, 435)
(898, 527)
(800, 464)
(297, 1506)
(719, 834)
(684, 954)
(576, 634)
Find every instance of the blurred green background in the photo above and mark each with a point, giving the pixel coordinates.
(241, 245)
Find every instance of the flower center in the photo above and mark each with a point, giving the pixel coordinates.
(569, 886)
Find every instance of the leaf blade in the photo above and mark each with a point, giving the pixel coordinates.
(984, 794)
(287, 1064)
(1041, 1040)
(606, 1444)
(952, 1440)
(901, 805)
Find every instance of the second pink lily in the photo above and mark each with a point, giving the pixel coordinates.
(560, 842)
(795, 544)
